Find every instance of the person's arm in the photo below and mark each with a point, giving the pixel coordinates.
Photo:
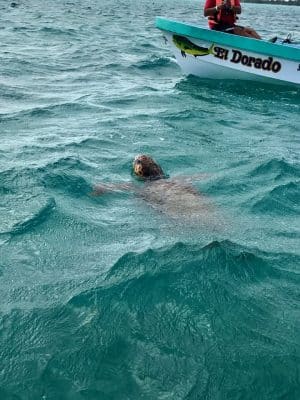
(210, 11)
(237, 7)
(210, 8)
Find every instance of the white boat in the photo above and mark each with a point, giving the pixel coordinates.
(218, 55)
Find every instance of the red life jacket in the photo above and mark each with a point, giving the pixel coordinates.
(222, 16)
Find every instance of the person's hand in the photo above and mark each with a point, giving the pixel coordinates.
(223, 6)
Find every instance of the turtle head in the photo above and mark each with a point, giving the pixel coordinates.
(146, 168)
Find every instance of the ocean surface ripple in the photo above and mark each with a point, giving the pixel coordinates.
(128, 295)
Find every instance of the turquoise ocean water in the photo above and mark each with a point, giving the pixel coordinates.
(110, 297)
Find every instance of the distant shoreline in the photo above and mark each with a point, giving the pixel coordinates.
(281, 2)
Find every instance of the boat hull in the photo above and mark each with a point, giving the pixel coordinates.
(215, 59)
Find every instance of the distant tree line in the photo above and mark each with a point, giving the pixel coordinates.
(285, 2)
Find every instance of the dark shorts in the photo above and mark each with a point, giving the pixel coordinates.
(224, 28)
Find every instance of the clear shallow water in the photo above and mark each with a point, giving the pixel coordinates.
(108, 298)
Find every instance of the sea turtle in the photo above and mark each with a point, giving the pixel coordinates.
(175, 197)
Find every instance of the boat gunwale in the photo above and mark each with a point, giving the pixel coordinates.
(233, 41)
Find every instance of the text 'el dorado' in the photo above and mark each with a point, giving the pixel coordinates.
(237, 57)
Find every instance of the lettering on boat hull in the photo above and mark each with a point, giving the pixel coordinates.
(237, 57)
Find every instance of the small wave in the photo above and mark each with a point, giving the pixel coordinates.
(11, 92)
(58, 31)
(23, 28)
(217, 257)
(184, 114)
(221, 263)
(65, 163)
(35, 219)
(65, 174)
(292, 234)
(279, 167)
(89, 142)
(153, 63)
(29, 210)
(24, 203)
(282, 200)
(67, 183)
(50, 110)
(211, 281)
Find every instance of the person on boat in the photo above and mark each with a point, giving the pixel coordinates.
(222, 16)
